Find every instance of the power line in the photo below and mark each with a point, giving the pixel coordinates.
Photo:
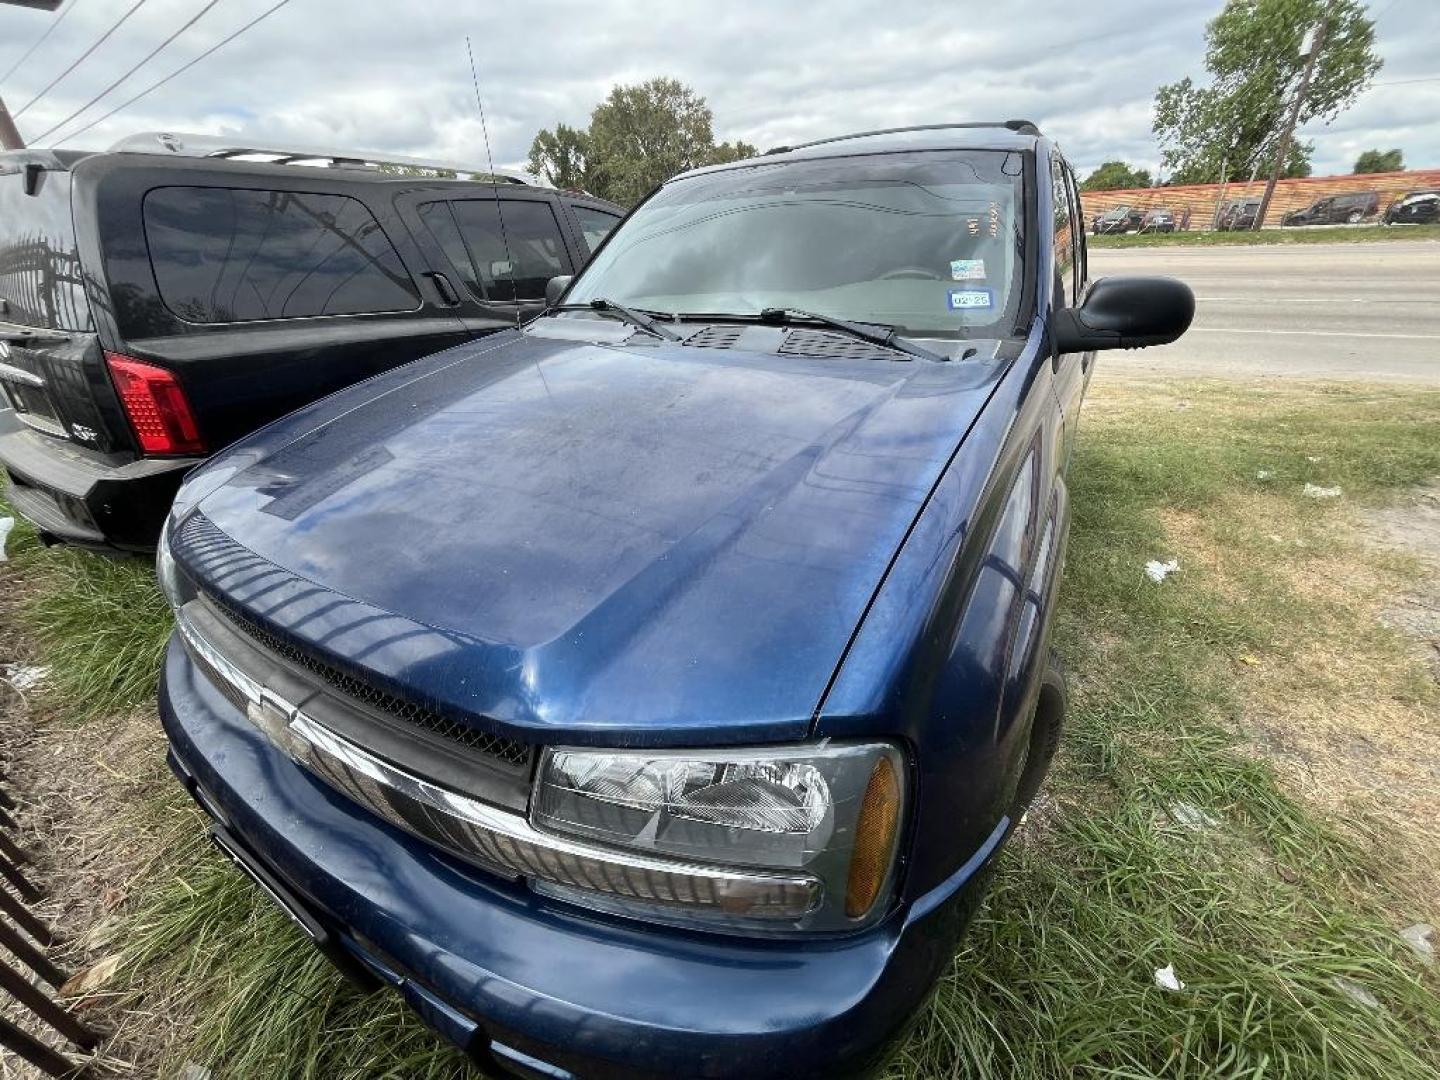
(54, 25)
(178, 71)
(148, 57)
(1406, 82)
(118, 23)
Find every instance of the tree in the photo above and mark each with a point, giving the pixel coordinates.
(1114, 175)
(1253, 55)
(1379, 161)
(559, 157)
(638, 137)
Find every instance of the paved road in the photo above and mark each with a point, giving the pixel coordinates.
(1341, 311)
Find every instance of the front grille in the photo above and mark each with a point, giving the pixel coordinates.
(508, 751)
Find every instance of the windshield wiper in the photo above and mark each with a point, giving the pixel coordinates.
(624, 314)
(875, 333)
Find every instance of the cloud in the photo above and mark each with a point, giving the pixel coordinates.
(395, 78)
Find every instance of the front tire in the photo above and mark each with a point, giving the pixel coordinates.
(1045, 730)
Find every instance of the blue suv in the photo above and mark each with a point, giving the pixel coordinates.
(644, 691)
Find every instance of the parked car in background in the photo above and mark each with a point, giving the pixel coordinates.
(162, 299)
(1415, 208)
(1158, 220)
(1238, 214)
(1119, 219)
(1336, 209)
(643, 691)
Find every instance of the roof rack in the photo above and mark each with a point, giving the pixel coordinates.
(212, 146)
(1020, 127)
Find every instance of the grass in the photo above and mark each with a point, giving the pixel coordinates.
(1317, 234)
(101, 623)
(1261, 909)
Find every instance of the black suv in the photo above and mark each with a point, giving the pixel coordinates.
(1238, 215)
(1351, 209)
(162, 299)
(1118, 219)
(1415, 208)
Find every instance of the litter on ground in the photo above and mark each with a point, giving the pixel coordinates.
(1158, 571)
(1264, 474)
(1315, 491)
(1166, 979)
(1355, 992)
(6, 524)
(24, 677)
(1418, 938)
(1191, 817)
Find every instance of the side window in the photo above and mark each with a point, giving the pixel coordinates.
(514, 263)
(1064, 240)
(1077, 232)
(438, 218)
(225, 255)
(594, 223)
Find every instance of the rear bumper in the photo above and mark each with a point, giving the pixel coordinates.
(529, 984)
(75, 497)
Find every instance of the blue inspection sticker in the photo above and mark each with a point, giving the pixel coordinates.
(967, 269)
(969, 299)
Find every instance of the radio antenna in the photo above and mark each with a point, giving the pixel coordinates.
(499, 203)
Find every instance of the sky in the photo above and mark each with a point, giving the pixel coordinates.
(394, 78)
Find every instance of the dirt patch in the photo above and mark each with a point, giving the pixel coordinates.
(1345, 699)
(1414, 529)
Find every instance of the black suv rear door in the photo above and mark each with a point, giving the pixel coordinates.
(501, 248)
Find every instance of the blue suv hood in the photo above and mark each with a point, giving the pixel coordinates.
(631, 543)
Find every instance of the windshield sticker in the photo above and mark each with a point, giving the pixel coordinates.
(967, 269)
(965, 299)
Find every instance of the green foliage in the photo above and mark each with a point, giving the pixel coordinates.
(101, 623)
(1373, 161)
(559, 156)
(1115, 175)
(638, 137)
(1253, 55)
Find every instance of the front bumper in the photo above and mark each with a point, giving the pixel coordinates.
(72, 496)
(533, 985)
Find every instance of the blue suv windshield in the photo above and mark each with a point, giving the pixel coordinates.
(930, 242)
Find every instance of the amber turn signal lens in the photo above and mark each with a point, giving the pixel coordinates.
(874, 839)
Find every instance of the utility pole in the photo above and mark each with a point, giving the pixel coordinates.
(1282, 151)
(9, 134)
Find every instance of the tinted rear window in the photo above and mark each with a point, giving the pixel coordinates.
(233, 255)
(507, 250)
(40, 280)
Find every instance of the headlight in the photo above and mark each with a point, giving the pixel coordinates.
(832, 811)
(173, 582)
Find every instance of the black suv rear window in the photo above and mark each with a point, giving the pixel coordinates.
(40, 280)
(236, 255)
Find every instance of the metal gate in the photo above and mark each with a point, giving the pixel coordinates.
(28, 941)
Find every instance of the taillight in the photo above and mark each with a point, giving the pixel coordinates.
(155, 406)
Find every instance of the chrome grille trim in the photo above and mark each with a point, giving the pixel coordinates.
(489, 837)
(509, 751)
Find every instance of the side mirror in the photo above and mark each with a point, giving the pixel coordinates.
(555, 288)
(1125, 313)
